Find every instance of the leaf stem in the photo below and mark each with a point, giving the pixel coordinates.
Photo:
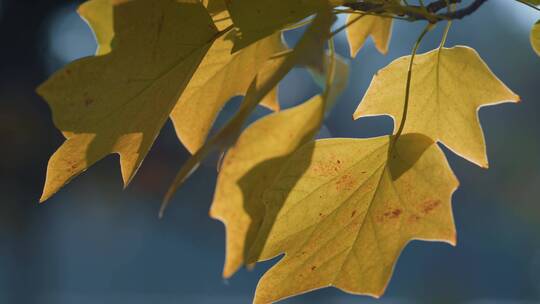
(408, 85)
(447, 28)
(419, 12)
(382, 15)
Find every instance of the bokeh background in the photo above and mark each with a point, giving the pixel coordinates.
(96, 243)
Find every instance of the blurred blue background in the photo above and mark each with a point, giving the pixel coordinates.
(95, 243)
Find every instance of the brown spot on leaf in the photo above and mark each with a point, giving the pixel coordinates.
(345, 182)
(326, 168)
(313, 267)
(389, 215)
(414, 218)
(353, 213)
(88, 101)
(429, 206)
(393, 214)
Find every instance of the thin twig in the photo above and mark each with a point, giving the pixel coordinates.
(415, 12)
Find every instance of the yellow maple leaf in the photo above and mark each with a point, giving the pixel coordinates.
(211, 86)
(220, 76)
(309, 48)
(447, 89)
(117, 103)
(250, 166)
(345, 219)
(257, 157)
(363, 26)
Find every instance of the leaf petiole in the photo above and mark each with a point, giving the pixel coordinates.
(408, 85)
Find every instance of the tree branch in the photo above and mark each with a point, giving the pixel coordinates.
(415, 12)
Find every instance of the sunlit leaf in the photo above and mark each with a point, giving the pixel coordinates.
(344, 221)
(250, 166)
(117, 103)
(363, 26)
(220, 76)
(310, 47)
(197, 108)
(447, 89)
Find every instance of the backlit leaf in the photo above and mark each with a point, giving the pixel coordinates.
(447, 89)
(220, 76)
(362, 26)
(310, 47)
(344, 221)
(117, 103)
(250, 166)
(211, 86)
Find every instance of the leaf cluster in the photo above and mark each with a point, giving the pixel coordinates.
(341, 210)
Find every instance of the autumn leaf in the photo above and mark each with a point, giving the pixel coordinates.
(117, 103)
(535, 37)
(362, 26)
(344, 221)
(447, 89)
(310, 47)
(258, 19)
(250, 166)
(220, 76)
(340, 211)
(211, 86)
(99, 15)
(257, 157)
